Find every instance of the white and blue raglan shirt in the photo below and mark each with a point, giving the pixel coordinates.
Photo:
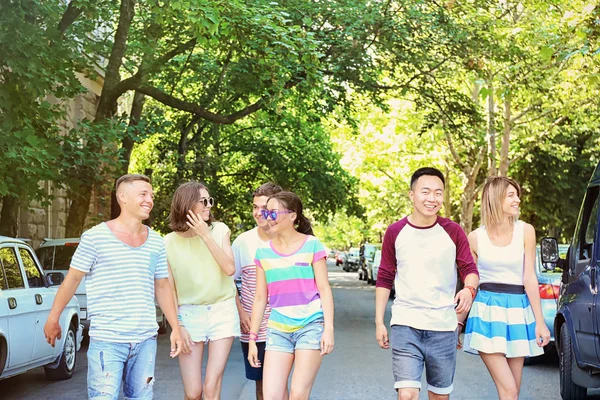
(120, 284)
(422, 263)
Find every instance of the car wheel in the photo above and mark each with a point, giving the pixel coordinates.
(68, 358)
(162, 327)
(568, 389)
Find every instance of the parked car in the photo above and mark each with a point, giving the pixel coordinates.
(341, 258)
(26, 297)
(549, 283)
(353, 259)
(367, 254)
(577, 321)
(56, 254)
(373, 267)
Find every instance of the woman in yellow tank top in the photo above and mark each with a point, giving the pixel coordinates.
(200, 269)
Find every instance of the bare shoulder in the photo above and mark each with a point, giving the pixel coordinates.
(472, 238)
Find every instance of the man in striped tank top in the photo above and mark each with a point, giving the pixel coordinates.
(125, 265)
(244, 249)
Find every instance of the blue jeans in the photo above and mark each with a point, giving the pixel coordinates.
(307, 338)
(413, 349)
(111, 363)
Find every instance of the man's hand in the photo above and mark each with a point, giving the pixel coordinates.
(176, 343)
(464, 299)
(52, 331)
(381, 334)
(245, 322)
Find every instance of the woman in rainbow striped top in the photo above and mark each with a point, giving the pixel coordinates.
(292, 272)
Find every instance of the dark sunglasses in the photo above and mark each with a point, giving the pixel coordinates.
(273, 213)
(207, 201)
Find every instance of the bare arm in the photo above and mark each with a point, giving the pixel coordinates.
(65, 293)
(322, 280)
(223, 256)
(260, 300)
(166, 299)
(529, 275)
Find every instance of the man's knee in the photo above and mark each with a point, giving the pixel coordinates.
(408, 394)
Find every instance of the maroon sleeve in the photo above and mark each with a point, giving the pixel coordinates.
(464, 259)
(388, 265)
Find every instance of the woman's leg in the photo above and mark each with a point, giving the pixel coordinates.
(497, 365)
(276, 371)
(306, 367)
(218, 353)
(191, 372)
(516, 367)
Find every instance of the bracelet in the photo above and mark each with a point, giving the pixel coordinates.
(252, 336)
(461, 323)
(179, 317)
(472, 290)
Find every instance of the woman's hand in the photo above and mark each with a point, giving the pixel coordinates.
(327, 341)
(198, 225)
(542, 334)
(253, 354)
(186, 339)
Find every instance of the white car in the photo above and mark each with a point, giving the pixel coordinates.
(26, 297)
(56, 254)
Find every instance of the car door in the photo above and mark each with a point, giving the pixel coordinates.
(21, 309)
(43, 298)
(583, 286)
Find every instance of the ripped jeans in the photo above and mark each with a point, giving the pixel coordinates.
(111, 363)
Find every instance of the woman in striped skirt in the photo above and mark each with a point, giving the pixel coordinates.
(505, 324)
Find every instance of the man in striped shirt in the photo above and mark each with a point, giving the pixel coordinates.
(244, 248)
(125, 265)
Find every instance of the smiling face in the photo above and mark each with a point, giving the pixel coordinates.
(284, 221)
(427, 196)
(510, 205)
(136, 199)
(259, 203)
(199, 207)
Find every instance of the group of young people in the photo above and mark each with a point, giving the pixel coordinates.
(423, 253)
(283, 313)
(284, 310)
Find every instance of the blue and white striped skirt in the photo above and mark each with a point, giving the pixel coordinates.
(501, 323)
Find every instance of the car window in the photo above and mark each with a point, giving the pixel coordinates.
(34, 276)
(583, 239)
(63, 256)
(3, 284)
(46, 257)
(14, 277)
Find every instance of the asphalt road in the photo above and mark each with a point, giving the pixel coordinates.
(357, 369)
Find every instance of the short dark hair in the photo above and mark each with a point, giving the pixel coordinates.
(428, 171)
(128, 178)
(267, 189)
(186, 196)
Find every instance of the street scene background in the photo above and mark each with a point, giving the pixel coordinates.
(357, 369)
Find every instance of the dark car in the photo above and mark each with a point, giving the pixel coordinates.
(577, 322)
(367, 256)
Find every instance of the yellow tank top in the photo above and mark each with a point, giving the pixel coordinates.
(198, 277)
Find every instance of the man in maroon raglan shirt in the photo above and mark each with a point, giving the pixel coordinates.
(420, 255)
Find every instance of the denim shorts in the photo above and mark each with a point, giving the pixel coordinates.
(306, 338)
(211, 322)
(110, 364)
(413, 349)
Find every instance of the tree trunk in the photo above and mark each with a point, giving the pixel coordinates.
(82, 190)
(9, 225)
(127, 145)
(467, 201)
(504, 161)
(491, 130)
(447, 197)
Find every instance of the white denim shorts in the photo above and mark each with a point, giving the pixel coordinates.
(211, 322)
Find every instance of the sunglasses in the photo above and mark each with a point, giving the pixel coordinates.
(207, 201)
(273, 213)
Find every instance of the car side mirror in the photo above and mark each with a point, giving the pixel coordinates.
(54, 278)
(549, 252)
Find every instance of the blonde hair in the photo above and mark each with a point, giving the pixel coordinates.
(492, 198)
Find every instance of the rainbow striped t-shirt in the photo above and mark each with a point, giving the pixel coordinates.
(293, 294)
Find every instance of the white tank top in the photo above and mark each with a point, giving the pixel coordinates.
(501, 264)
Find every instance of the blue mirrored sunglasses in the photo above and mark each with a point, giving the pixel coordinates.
(273, 213)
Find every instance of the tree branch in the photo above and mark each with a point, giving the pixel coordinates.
(70, 15)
